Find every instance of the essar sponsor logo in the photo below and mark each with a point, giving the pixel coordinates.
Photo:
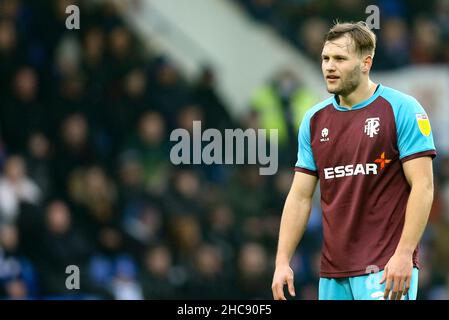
(350, 170)
(357, 169)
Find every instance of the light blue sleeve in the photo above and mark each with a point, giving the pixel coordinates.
(414, 132)
(305, 155)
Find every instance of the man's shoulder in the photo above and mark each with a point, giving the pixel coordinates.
(397, 98)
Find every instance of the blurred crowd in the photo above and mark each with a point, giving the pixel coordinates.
(411, 31)
(86, 177)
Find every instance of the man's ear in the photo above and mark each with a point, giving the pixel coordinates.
(367, 62)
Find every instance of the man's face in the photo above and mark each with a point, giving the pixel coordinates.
(341, 66)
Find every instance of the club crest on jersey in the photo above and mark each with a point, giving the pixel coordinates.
(324, 135)
(372, 126)
(423, 123)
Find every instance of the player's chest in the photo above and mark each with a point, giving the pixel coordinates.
(354, 136)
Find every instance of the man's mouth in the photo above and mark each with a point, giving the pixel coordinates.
(332, 79)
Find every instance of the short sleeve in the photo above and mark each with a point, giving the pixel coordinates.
(414, 133)
(305, 161)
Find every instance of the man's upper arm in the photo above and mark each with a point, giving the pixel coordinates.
(414, 133)
(419, 171)
(303, 185)
(305, 161)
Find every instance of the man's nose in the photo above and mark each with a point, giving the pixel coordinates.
(330, 66)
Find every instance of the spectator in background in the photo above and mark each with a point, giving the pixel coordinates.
(16, 187)
(122, 115)
(310, 35)
(22, 113)
(93, 59)
(247, 181)
(184, 194)
(253, 272)
(215, 113)
(208, 108)
(441, 12)
(281, 105)
(208, 279)
(188, 114)
(169, 93)
(107, 16)
(95, 194)
(17, 275)
(158, 278)
(62, 244)
(9, 54)
(111, 269)
(10, 8)
(150, 146)
(93, 64)
(222, 231)
(71, 99)
(73, 150)
(38, 162)
(122, 55)
(143, 223)
(131, 187)
(186, 235)
(281, 183)
(345, 10)
(394, 48)
(125, 285)
(426, 43)
(67, 58)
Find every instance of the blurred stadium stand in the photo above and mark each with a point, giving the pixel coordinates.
(85, 118)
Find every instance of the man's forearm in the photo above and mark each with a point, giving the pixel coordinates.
(293, 224)
(416, 216)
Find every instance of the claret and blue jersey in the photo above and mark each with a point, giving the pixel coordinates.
(357, 154)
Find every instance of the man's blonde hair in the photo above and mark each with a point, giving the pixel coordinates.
(364, 39)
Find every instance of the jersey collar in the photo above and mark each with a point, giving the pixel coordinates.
(360, 105)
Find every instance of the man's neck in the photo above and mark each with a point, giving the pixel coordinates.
(362, 93)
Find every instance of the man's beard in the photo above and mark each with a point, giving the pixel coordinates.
(348, 86)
